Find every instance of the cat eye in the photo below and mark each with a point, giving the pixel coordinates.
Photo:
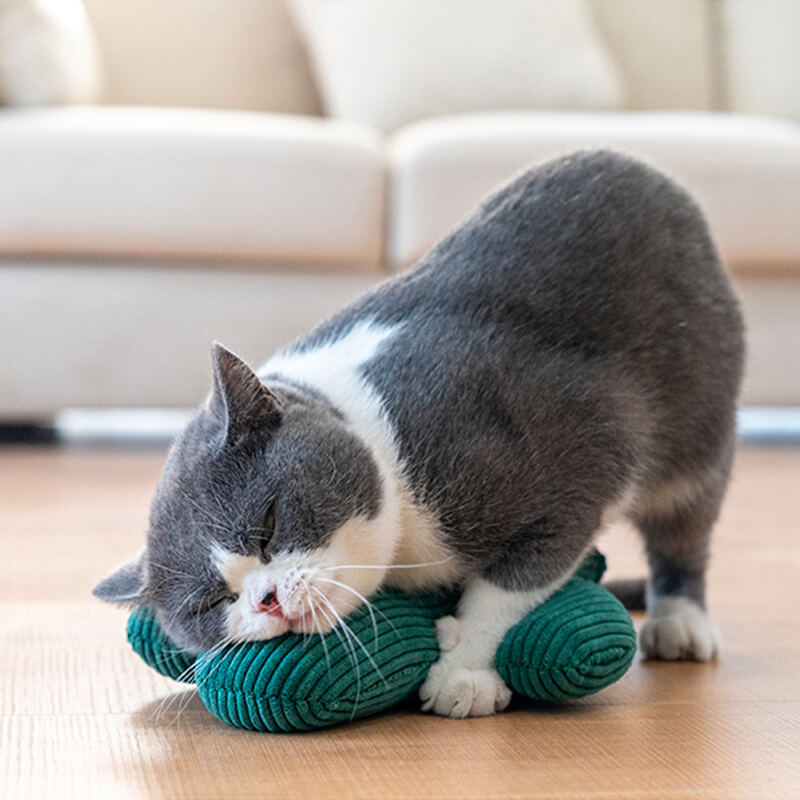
(208, 604)
(229, 597)
(267, 531)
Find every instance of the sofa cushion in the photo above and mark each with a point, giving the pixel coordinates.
(762, 56)
(117, 334)
(48, 53)
(666, 51)
(241, 54)
(744, 171)
(392, 62)
(189, 183)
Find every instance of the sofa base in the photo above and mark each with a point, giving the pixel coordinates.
(135, 335)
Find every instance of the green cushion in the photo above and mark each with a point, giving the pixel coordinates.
(152, 644)
(578, 642)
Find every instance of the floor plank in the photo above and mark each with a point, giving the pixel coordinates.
(80, 716)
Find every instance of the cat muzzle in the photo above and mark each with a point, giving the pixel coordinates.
(271, 605)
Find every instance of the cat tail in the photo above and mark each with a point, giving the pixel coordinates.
(630, 592)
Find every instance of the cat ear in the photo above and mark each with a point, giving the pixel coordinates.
(239, 399)
(126, 585)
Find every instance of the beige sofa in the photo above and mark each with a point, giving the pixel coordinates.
(209, 198)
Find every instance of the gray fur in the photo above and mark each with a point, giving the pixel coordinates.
(575, 336)
(221, 475)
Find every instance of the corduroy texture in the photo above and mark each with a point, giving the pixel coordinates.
(578, 642)
(149, 641)
(593, 567)
(285, 684)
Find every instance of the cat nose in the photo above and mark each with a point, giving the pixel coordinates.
(270, 604)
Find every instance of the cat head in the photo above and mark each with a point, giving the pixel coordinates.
(268, 517)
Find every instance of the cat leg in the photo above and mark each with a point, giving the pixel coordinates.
(464, 682)
(519, 575)
(676, 521)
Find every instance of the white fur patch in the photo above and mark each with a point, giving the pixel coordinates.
(234, 567)
(409, 534)
(315, 588)
(421, 543)
(677, 629)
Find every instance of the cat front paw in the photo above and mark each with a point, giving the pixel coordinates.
(679, 630)
(455, 691)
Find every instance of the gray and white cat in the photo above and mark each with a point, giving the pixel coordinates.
(570, 353)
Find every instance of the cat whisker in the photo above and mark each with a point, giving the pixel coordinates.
(166, 702)
(361, 644)
(305, 632)
(185, 674)
(180, 607)
(353, 637)
(346, 642)
(387, 566)
(335, 631)
(164, 706)
(215, 651)
(158, 662)
(160, 710)
(347, 629)
(363, 599)
(170, 569)
(216, 648)
(315, 624)
(183, 703)
(161, 707)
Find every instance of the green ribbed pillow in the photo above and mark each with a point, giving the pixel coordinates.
(578, 642)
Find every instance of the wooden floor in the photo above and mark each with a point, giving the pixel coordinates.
(77, 708)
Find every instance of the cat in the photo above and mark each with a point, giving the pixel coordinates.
(569, 354)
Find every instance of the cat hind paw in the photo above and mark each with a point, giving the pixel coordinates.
(679, 631)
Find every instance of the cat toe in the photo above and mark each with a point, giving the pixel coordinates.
(685, 633)
(458, 692)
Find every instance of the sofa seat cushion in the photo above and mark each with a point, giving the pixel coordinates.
(190, 183)
(744, 171)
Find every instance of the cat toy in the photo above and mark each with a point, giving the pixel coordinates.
(579, 641)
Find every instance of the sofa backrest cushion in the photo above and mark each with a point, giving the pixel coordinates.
(667, 51)
(392, 62)
(761, 44)
(206, 53)
(48, 53)
(738, 55)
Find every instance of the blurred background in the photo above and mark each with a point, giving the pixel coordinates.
(178, 171)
